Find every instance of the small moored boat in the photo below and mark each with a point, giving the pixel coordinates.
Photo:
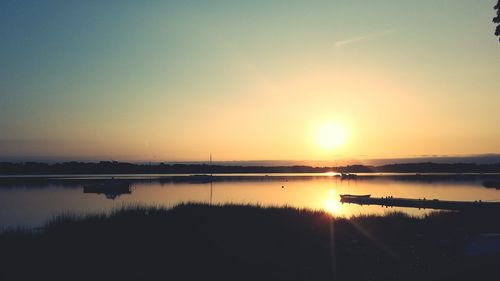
(343, 196)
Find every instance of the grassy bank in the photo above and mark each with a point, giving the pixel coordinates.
(193, 242)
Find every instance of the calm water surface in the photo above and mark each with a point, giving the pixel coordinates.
(31, 202)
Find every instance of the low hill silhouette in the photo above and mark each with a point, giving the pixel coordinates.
(112, 167)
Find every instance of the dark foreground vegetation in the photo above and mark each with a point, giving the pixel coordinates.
(111, 167)
(202, 242)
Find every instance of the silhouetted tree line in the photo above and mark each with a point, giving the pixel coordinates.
(427, 167)
(108, 167)
(497, 19)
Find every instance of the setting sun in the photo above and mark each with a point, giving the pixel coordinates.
(331, 136)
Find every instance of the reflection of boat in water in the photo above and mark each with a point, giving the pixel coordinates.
(492, 184)
(348, 176)
(200, 178)
(110, 189)
(346, 196)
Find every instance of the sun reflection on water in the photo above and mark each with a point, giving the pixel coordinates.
(332, 204)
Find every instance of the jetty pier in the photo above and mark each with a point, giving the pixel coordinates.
(422, 203)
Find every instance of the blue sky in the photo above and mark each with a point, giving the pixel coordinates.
(176, 80)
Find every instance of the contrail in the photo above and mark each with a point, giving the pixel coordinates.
(342, 43)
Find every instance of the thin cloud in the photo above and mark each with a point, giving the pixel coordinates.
(343, 43)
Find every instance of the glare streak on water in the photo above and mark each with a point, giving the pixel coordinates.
(31, 203)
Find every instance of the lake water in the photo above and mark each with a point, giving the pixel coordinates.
(30, 202)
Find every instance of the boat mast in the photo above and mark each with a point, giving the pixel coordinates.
(211, 175)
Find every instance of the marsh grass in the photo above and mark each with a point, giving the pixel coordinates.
(244, 242)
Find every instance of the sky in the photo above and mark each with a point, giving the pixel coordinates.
(247, 80)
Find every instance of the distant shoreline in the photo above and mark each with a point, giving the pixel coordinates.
(105, 167)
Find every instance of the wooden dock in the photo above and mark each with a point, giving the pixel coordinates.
(423, 203)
